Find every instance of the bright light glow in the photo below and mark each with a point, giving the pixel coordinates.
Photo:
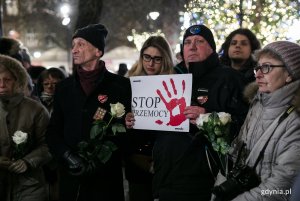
(130, 38)
(37, 54)
(66, 21)
(140, 38)
(294, 31)
(65, 10)
(154, 15)
(186, 20)
(273, 20)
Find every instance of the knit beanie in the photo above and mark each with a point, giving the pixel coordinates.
(94, 34)
(289, 53)
(203, 31)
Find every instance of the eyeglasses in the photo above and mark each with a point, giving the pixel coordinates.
(46, 84)
(265, 68)
(148, 58)
(195, 30)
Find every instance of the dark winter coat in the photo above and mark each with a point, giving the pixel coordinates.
(71, 122)
(223, 87)
(180, 160)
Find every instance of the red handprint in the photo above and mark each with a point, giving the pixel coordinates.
(177, 119)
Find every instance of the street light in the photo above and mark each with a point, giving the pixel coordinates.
(66, 21)
(153, 15)
(37, 54)
(65, 12)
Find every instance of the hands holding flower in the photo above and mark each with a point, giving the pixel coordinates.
(18, 165)
(97, 150)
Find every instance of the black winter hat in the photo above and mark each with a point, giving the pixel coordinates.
(94, 34)
(203, 31)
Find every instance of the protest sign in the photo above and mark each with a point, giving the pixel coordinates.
(158, 101)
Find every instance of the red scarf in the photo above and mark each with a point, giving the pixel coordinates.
(88, 79)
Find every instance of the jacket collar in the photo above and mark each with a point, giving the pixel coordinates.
(9, 102)
(287, 95)
(199, 69)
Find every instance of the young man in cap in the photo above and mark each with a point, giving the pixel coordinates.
(185, 166)
(76, 103)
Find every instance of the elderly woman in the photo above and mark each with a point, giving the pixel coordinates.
(23, 123)
(269, 141)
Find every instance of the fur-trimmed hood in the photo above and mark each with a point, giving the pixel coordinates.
(251, 90)
(17, 70)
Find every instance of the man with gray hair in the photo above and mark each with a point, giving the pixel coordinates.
(77, 101)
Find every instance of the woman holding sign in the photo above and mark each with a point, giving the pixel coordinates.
(155, 59)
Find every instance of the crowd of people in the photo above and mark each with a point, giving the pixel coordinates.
(57, 142)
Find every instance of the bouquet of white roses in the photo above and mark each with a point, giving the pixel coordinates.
(19, 138)
(216, 127)
(96, 148)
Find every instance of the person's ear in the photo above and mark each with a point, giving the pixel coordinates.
(99, 53)
(288, 79)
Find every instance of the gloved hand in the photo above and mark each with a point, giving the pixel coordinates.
(18, 166)
(76, 165)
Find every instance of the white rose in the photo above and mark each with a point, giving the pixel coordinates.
(201, 119)
(224, 117)
(19, 137)
(117, 110)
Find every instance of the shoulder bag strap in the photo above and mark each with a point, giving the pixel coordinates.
(272, 126)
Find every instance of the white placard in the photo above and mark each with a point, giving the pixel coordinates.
(158, 101)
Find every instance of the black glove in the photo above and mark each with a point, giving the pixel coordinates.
(76, 165)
